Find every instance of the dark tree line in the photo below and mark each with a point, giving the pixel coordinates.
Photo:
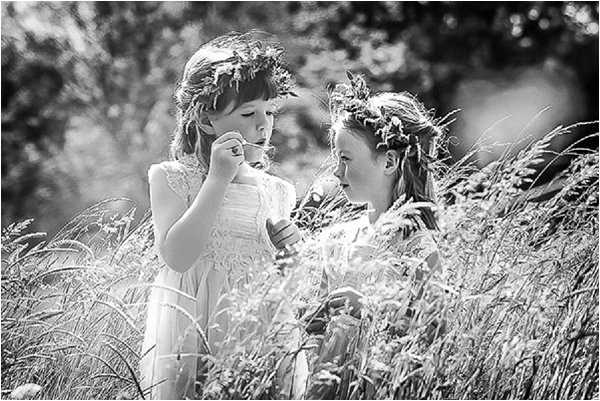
(113, 65)
(448, 41)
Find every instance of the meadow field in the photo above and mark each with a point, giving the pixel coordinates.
(518, 298)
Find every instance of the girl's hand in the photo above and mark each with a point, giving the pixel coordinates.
(282, 234)
(343, 298)
(335, 303)
(227, 154)
(316, 322)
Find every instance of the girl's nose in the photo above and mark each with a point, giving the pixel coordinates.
(261, 123)
(339, 170)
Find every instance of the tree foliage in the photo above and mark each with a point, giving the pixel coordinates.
(104, 73)
(34, 118)
(428, 47)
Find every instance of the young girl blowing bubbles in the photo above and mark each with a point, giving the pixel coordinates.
(383, 145)
(211, 204)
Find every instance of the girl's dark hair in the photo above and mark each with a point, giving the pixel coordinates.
(189, 138)
(414, 176)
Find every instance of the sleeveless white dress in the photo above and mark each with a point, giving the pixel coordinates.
(182, 321)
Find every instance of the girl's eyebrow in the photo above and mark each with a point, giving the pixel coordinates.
(249, 103)
(253, 104)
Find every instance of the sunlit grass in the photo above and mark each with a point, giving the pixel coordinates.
(515, 310)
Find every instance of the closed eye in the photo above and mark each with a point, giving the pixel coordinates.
(250, 114)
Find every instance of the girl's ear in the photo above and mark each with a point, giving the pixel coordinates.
(392, 162)
(205, 124)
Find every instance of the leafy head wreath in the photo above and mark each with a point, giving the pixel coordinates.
(206, 79)
(354, 99)
(252, 52)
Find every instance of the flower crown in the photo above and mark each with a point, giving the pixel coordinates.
(253, 52)
(353, 99)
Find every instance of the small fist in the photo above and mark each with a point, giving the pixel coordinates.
(345, 298)
(282, 234)
(227, 154)
(316, 322)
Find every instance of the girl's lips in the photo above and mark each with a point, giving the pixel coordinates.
(259, 144)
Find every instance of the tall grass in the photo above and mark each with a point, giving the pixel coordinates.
(72, 309)
(516, 306)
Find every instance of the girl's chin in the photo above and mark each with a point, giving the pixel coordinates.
(253, 155)
(354, 200)
(351, 198)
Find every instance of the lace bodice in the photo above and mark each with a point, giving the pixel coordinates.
(239, 241)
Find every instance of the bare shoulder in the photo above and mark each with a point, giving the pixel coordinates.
(157, 174)
(163, 186)
(164, 176)
(166, 168)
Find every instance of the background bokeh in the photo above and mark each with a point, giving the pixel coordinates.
(87, 86)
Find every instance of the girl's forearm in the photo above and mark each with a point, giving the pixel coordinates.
(187, 238)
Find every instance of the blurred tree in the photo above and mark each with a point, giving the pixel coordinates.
(104, 72)
(34, 119)
(428, 47)
(95, 61)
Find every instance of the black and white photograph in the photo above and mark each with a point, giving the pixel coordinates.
(322, 200)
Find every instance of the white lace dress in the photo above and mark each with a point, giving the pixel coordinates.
(182, 308)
